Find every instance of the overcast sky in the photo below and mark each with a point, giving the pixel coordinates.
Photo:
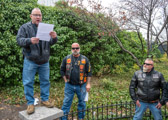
(51, 2)
(105, 3)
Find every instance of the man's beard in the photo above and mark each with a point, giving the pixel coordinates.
(76, 52)
(145, 69)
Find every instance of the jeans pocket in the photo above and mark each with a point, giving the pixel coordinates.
(66, 84)
(137, 109)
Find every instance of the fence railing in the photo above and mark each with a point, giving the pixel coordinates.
(113, 111)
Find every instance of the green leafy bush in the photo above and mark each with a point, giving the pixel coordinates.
(108, 84)
(102, 51)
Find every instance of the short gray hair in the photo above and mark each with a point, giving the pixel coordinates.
(35, 9)
(149, 59)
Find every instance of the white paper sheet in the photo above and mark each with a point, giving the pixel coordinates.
(86, 97)
(43, 31)
(36, 101)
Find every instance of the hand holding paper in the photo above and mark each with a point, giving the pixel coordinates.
(34, 40)
(53, 34)
(43, 31)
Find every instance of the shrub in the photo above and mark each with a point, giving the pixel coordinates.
(103, 52)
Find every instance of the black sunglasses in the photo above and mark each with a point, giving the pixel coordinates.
(147, 64)
(75, 48)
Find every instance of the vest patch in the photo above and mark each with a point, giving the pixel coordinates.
(139, 76)
(81, 74)
(83, 61)
(81, 77)
(79, 62)
(144, 75)
(69, 60)
(68, 67)
(81, 67)
(155, 76)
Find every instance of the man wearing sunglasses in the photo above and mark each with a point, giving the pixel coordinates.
(76, 72)
(145, 89)
(36, 59)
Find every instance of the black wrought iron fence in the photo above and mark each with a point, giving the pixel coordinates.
(113, 111)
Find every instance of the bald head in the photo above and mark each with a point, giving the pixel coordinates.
(35, 9)
(150, 61)
(75, 45)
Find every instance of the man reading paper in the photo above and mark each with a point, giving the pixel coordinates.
(36, 59)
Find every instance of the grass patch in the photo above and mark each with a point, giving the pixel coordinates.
(106, 89)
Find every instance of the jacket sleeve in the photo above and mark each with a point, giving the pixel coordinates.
(53, 41)
(132, 88)
(21, 38)
(63, 67)
(88, 68)
(164, 95)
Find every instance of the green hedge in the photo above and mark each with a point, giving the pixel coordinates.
(103, 52)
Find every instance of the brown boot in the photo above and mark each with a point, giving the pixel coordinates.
(47, 104)
(30, 109)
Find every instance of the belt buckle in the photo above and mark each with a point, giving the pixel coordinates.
(154, 101)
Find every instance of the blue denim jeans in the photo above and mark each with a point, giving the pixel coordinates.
(29, 70)
(152, 106)
(69, 92)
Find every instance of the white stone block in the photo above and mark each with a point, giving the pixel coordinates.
(42, 113)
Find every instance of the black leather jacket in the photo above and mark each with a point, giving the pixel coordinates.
(31, 51)
(146, 86)
(166, 93)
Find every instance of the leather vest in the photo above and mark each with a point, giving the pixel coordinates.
(81, 64)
